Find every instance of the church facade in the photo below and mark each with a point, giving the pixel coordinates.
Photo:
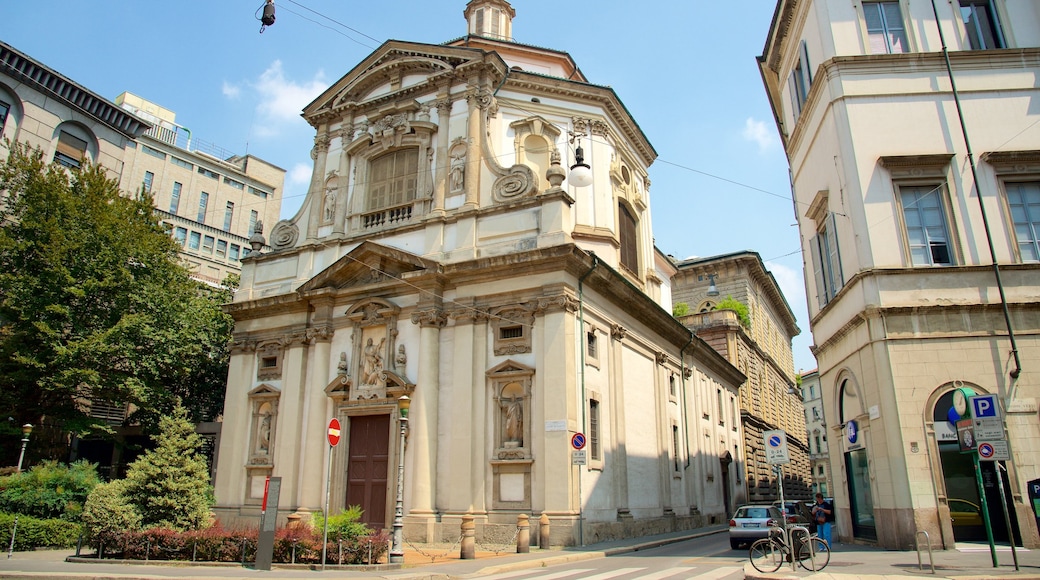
(444, 253)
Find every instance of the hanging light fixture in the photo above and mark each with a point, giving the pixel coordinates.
(712, 289)
(580, 174)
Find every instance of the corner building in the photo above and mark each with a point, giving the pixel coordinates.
(441, 253)
(904, 301)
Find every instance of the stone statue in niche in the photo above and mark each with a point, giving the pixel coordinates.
(402, 358)
(457, 176)
(372, 371)
(264, 435)
(514, 423)
(330, 204)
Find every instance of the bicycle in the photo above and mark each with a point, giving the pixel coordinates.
(810, 551)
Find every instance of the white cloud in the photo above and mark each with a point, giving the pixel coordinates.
(758, 132)
(282, 99)
(300, 173)
(792, 284)
(231, 91)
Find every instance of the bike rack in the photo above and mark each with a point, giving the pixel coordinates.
(928, 541)
(790, 544)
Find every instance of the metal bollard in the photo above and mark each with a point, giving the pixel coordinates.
(543, 532)
(523, 536)
(147, 548)
(468, 551)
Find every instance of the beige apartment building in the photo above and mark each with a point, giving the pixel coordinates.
(446, 253)
(762, 352)
(912, 174)
(211, 199)
(816, 433)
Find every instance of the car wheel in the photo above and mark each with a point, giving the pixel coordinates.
(734, 544)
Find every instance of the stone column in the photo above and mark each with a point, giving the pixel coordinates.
(424, 414)
(478, 102)
(234, 442)
(315, 193)
(288, 447)
(314, 457)
(343, 193)
(443, 158)
(618, 334)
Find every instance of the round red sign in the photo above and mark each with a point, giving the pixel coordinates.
(333, 432)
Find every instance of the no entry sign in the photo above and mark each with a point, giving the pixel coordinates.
(333, 432)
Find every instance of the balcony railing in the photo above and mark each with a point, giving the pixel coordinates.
(393, 216)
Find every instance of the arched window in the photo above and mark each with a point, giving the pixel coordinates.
(73, 144)
(392, 179)
(627, 234)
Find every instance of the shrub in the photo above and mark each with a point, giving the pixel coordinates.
(730, 303)
(296, 543)
(346, 525)
(680, 309)
(49, 490)
(364, 550)
(108, 515)
(39, 533)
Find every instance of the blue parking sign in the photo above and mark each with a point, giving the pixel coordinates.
(984, 406)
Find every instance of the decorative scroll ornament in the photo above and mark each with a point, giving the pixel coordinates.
(284, 235)
(435, 318)
(520, 181)
(391, 129)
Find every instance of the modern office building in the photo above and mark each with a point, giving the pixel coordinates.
(916, 182)
(446, 253)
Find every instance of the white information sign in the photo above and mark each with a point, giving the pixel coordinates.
(579, 457)
(556, 425)
(776, 447)
(994, 451)
(988, 429)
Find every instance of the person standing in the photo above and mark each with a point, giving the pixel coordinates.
(823, 513)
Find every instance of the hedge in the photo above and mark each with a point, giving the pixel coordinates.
(35, 533)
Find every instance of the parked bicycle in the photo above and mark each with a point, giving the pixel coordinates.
(810, 551)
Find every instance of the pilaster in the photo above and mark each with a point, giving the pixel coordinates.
(288, 447)
(316, 412)
(423, 416)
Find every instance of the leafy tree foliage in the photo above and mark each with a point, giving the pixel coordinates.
(731, 303)
(95, 305)
(49, 490)
(108, 514)
(169, 486)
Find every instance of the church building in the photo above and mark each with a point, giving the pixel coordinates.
(477, 238)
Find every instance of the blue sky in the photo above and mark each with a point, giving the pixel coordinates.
(685, 69)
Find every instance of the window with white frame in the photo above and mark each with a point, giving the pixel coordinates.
(203, 206)
(885, 29)
(149, 177)
(800, 80)
(229, 212)
(253, 216)
(175, 198)
(982, 24)
(925, 223)
(594, 447)
(826, 257)
(1024, 205)
(393, 179)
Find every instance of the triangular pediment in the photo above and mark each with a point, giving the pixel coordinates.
(389, 66)
(510, 367)
(264, 390)
(369, 263)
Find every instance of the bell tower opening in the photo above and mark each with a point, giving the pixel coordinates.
(490, 19)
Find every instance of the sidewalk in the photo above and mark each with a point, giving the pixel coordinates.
(425, 562)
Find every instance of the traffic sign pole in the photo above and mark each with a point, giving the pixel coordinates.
(333, 436)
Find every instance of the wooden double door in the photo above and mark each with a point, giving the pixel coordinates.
(368, 462)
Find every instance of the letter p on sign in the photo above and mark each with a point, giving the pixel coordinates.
(984, 406)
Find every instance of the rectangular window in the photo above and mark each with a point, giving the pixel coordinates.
(885, 28)
(207, 244)
(1024, 203)
(233, 252)
(627, 237)
(675, 447)
(819, 448)
(153, 152)
(816, 413)
(253, 216)
(393, 179)
(181, 163)
(221, 248)
(507, 332)
(718, 406)
(925, 222)
(733, 411)
(175, 198)
(590, 344)
(194, 240)
(233, 183)
(229, 212)
(594, 450)
(671, 385)
(259, 192)
(800, 81)
(208, 173)
(70, 150)
(203, 205)
(149, 177)
(180, 234)
(981, 24)
(826, 257)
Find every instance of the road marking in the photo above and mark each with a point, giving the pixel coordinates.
(613, 574)
(659, 575)
(721, 572)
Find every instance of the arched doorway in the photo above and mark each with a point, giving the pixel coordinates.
(856, 456)
(960, 480)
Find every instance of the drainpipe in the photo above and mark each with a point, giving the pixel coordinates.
(1015, 372)
(581, 348)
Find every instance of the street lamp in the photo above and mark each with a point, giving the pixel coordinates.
(26, 430)
(397, 549)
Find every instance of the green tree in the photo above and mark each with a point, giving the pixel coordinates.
(680, 309)
(49, 490)
(169, 486)
(95, 304)
(108, 515)
(731, 303)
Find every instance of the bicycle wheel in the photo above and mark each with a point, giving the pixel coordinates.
(820, 556)
(766, 556)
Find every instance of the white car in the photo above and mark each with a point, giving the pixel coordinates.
(751, 522)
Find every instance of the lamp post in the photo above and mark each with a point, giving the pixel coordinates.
(26, 430)
(397, 548)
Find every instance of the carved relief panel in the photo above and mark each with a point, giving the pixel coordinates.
(375, 356)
